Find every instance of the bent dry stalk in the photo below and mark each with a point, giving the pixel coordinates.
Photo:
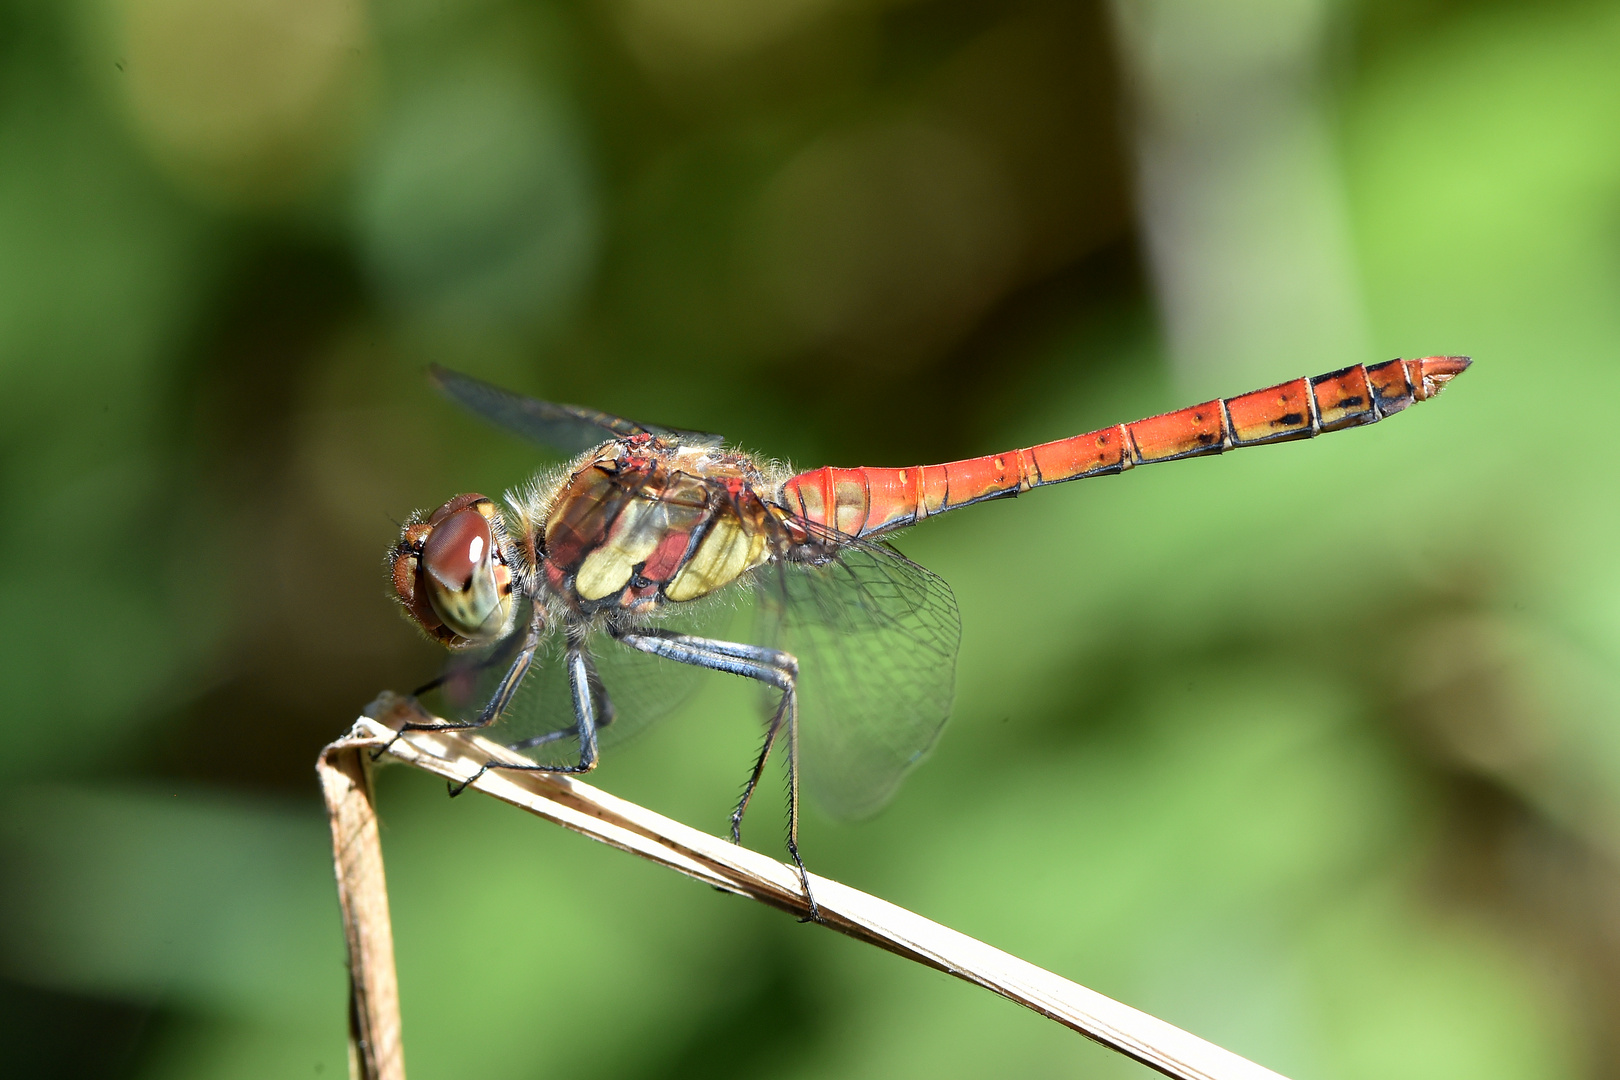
(567, 801)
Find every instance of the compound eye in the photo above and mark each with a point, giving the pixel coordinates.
(457, 548)
(459, 571)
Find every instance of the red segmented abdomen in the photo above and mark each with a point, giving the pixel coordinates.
(863, 501)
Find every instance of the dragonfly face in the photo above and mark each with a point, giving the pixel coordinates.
(452, 575)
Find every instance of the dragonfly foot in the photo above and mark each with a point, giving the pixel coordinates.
(376, 755)
(457, 789)
(814, 914)
(412, 725)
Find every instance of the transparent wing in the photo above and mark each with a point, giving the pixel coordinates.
(634, 690)
(876, 636)
(569, 428)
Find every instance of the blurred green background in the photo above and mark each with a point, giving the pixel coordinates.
(1313, 751)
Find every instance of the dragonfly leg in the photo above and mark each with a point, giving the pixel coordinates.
(771, 731)
(769, 666)
(605, 713)
(498, 701)
(584, 687)
(814, 914)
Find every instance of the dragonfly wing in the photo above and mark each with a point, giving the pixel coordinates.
(686, 436)
(568, 428)
(876, 636)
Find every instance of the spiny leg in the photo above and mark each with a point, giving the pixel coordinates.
(498, 701)
(771, 731)
(770, 666)
(793, 807)
(583, 687)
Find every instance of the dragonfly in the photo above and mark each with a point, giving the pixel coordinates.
(599, 557)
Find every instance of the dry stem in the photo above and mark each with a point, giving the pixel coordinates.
(375, 1050)
(584, 809)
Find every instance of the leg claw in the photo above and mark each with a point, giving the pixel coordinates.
(376, 755)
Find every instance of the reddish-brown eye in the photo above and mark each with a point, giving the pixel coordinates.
(456, 549)
(458, 564)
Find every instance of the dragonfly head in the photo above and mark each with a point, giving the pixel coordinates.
(451, 573)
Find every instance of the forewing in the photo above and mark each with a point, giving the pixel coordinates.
(571, 429)
(876, 637)
(568, 428)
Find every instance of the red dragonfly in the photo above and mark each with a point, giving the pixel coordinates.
(600, 559)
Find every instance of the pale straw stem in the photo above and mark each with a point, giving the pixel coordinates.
(375, 1049)
(578, 806)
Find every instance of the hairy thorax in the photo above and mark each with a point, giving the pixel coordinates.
(634, 524)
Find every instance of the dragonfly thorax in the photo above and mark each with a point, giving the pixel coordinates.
(637, 524)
